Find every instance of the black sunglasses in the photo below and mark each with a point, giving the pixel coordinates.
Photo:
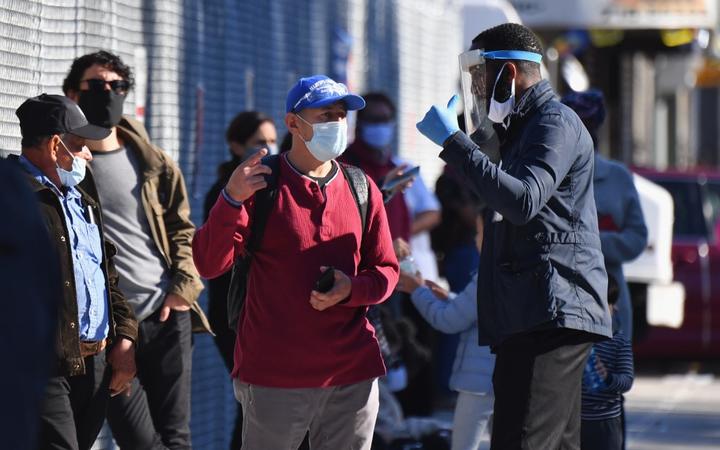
(117, 86)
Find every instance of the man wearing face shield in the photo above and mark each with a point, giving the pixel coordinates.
(96, 325)
(542, 282)
(148, 216)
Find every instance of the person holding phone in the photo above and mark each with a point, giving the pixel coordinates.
(305, 360)
(372, 151)
(542, 275)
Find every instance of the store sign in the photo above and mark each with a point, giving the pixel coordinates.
(624, 14)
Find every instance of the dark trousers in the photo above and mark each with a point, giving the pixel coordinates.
(537, 383)
(156, 414)
(74, 408)
(417, 399)
(224, 338)
(604, 434)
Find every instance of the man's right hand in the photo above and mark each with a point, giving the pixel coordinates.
(122, 361)
(248, 178)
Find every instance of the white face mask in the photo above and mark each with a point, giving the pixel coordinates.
(329, 139)
(75, 175)
(499, 111)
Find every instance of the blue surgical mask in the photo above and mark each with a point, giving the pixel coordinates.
(329, 139)
(76, 174)
(378, 135)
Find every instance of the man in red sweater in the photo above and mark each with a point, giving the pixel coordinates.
(305, 360)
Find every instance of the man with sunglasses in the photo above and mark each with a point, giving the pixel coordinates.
(148, 216)
(96, 326)
(542, 283)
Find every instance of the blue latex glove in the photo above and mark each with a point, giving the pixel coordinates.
(440, 122)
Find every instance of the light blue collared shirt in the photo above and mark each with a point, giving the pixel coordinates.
(86, 250)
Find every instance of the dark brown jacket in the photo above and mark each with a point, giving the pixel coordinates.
(165, 202)
(121, 318)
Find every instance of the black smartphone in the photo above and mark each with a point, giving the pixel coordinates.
(409, 173)
(503, 87)
(326, 280)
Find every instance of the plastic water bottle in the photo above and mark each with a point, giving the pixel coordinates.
(591, 377)
(408, 265)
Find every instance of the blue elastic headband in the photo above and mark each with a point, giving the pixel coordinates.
(514, 54)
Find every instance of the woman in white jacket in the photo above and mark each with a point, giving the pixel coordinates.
(474, 365)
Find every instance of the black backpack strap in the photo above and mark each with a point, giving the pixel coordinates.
(263, 203)
(358, 182)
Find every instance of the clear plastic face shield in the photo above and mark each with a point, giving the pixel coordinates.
(472, 82)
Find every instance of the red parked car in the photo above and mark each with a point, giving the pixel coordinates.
(696, 264)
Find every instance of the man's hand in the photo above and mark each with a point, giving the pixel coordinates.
(173, 302)
(339, 292)
(401, 248)
(394, 173)
(601, 369)
(122, 360)
(437, 290)
(440, 122)
(409, 282)
(248, 177)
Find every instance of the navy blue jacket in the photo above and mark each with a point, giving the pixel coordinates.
(541, 265)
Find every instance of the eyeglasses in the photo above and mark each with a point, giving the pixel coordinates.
(98, 84)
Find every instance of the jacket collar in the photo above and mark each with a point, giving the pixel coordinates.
(532, 99)
(133, 134)
(36, 185)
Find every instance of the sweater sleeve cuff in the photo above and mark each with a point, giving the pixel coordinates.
(231, 201)
(129, 338)
(358, 293)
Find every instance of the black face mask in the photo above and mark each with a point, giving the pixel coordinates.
(102, 108)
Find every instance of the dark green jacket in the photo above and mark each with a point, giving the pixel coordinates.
(165, 202)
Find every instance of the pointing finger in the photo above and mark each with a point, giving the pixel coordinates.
(255, 159)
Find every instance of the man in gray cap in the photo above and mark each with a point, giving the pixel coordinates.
(93, 315)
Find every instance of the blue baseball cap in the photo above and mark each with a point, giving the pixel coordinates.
(320, 90)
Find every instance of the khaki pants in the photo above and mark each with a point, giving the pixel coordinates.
(338, 417)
